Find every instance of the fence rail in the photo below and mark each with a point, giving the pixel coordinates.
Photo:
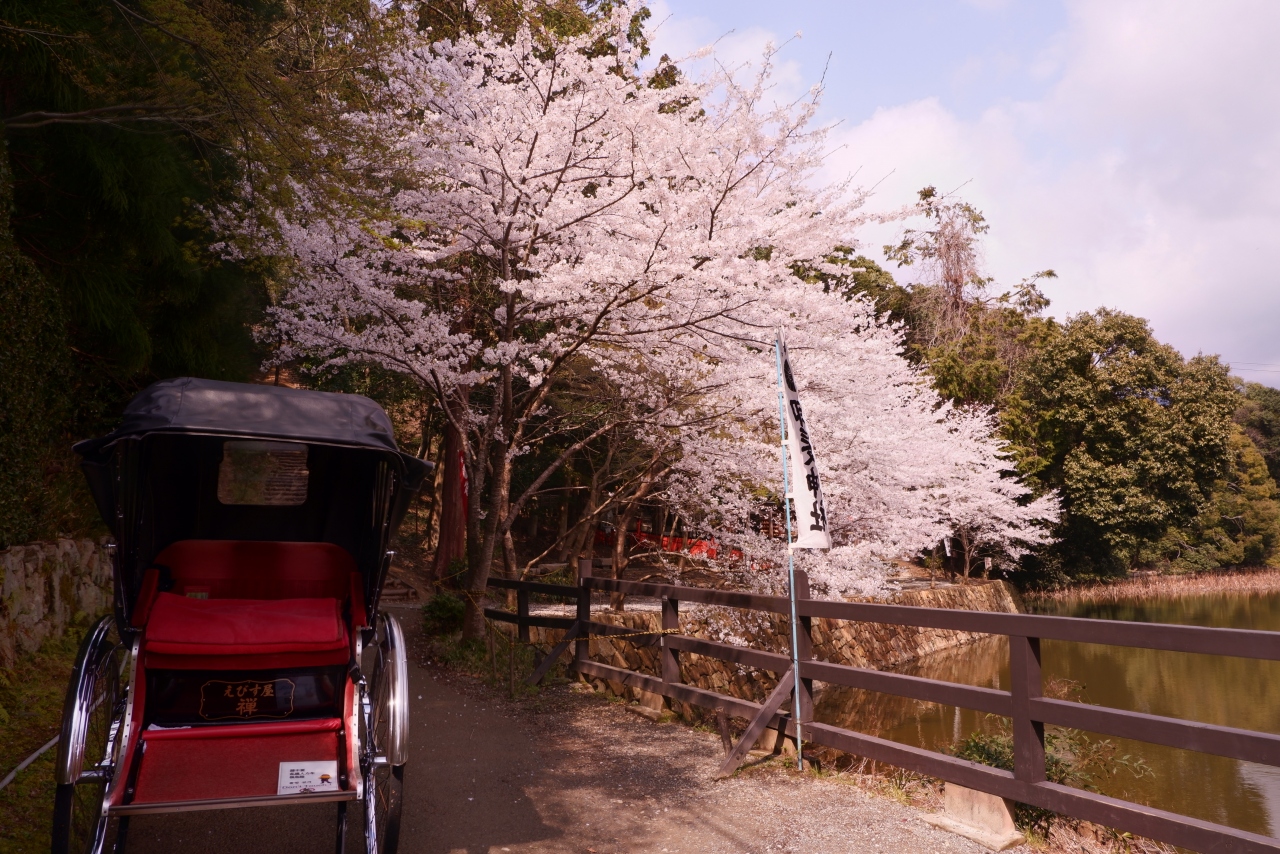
(1024, 703)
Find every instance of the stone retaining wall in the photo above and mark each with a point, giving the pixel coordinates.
(875, 645)
(45, 587)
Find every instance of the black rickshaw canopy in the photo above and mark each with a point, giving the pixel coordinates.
(161, 476)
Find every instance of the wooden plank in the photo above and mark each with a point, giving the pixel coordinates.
(711, 700)
(670, 658)
(539, 622)
(1159, 825)
(582, 648)
(639, 637)
(682, 693)
(962, 772)
(1154, 729)
(616, 674)
(563, 590)
(703, 595)
(556, 651)
(726, 735)
(1241, 643)
(522, 611)
(772, 661)
(755, 729)
(501, 616)
(986, 700)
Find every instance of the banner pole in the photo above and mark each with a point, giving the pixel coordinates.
(791, 561)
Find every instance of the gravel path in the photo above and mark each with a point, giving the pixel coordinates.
(570, 773)
(577, 773)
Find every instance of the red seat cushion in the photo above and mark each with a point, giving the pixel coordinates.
(244, 633)
(249, 569)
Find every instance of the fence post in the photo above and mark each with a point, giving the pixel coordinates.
(804, 649)
(522, 614)
(670, 657)
(1025, 684)
(582, 646)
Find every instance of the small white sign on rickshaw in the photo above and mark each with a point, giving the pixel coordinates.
(297, 778)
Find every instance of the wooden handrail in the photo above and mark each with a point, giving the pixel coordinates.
(1023, 703)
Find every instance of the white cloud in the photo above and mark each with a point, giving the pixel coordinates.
(1147, 173)
(1147, 176)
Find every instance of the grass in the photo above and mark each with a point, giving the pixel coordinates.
(31, 696)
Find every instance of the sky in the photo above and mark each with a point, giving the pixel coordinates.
(1132, 146)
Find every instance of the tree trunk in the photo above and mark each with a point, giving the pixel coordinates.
(683, 562)
(490, 499)
(623, 529)
(511, 566)
(452, 544)
(625, 519)
(431, 534)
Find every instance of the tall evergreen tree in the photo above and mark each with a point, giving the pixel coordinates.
(1133, 436)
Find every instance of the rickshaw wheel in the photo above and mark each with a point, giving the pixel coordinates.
(90, 718)
(386, 729)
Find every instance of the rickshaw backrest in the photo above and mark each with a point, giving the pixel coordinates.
(246, 569)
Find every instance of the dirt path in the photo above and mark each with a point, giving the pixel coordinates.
(574, 774)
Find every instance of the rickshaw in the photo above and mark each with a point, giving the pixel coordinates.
(246, 662)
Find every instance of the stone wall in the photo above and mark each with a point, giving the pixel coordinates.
(45, 587)
(874, 645)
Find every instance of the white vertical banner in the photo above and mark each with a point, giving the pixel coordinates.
(806, 488)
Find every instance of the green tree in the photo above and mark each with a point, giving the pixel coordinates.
(1132, 436)
(1239, 526)
(34, 370)
(124, 122)
(1259, 415)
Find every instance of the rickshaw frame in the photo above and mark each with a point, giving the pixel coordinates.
(150, 479)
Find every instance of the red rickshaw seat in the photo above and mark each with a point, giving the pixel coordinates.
(252, 569)
(244, 634)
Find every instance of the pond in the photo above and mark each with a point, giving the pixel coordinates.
(1213, 689)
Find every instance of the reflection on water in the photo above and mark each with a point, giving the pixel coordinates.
(1212, 689)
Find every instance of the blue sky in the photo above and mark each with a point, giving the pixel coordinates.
(887, 53)
(1131, 145)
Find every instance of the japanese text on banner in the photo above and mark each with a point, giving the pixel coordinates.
(806, 488)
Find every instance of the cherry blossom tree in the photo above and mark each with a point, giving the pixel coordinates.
(558, 222)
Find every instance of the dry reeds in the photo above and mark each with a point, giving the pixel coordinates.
(1153, 586)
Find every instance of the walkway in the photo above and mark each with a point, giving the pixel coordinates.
(577, 775)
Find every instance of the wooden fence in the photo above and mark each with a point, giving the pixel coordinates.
(1024, 704)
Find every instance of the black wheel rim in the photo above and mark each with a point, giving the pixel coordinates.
(79, 826)
(382, 781)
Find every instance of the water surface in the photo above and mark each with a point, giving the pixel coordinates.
(1213, 689)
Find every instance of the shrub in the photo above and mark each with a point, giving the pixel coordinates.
(1071, 759)
(442, 615)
